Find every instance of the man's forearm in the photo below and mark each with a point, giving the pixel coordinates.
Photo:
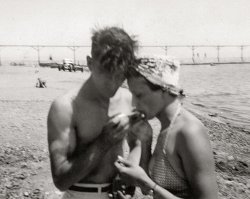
(78, 167)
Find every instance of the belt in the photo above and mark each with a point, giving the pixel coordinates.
(90, 189)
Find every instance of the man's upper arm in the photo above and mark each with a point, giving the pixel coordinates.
(198, 162)
(60, 134)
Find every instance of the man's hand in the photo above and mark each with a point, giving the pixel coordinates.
(121, 190)
(115, 130)
(122, 196)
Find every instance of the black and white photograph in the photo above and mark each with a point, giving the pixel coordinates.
(124, 99)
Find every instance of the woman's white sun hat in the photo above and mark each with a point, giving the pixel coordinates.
(160, 70)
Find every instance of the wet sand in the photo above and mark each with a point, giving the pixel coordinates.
(24, 161)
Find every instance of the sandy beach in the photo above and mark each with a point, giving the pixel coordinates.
(24, 159)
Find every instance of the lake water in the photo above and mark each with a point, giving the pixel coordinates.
(221, 89)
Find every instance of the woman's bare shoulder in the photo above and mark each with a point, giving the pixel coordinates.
(192, 129)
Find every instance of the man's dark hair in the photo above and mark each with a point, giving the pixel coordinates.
(114, 48)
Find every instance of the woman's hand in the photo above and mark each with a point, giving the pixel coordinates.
(133, 173)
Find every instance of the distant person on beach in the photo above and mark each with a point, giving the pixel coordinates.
(182, 164)
(40, 83)
(85, 129)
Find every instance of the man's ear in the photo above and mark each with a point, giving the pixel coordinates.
(89, 62)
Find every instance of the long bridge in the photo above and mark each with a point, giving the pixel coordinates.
(218, 49)
(166, 49)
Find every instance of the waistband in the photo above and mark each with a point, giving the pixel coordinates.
(91, 188)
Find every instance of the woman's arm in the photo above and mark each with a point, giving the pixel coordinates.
(139, 176)
(196, 155)
(195, 152)
(140, 140)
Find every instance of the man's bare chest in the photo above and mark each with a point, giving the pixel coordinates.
(88, 125)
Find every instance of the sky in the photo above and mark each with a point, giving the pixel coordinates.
(154, 22)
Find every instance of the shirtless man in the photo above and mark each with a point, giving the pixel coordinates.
(83, 145)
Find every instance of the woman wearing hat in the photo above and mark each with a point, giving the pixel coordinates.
(182, 164)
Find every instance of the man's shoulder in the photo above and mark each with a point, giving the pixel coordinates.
(63, 103)
(60, 116)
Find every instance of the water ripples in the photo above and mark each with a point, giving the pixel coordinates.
(222, 89)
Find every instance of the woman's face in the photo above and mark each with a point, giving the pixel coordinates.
(146, 100)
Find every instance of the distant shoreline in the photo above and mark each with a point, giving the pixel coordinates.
(215, 63)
